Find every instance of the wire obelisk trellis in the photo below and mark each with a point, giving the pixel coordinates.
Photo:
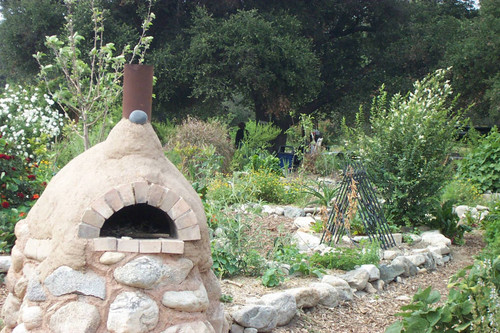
(356, 193)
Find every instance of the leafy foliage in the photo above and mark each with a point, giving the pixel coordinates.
(482, 164)
(406, 151)
(348, 258)
(446, 220)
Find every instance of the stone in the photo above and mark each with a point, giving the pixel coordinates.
(398, 238)
(446, 259)
(34, 291)
(20, 287)
(266, 209)
(305, 241)
(434, 237)
(304, 222)
(285, 305)
(461, 211)
(290, 211)
(143, 272)
(5, 262)
(176, 272)
(186, 300)
(370, 289)
(132, 312)
(373, 272)
(414, 238)
(20, 329)
(328, 296)
(75, 317)
(416, 259)
(305, 297)
(409, 268)
(138, 117)
(111, 258)
(378, 285)
(439, 248)
(192, 327)
(235, 328)
(66, 280)
(357, 278)
(10, 310)
(279, 211)
(262, 317)
(38, 249)
(391, 254)
(482, 208)
(335, 281)
(430, 263)
(403, 298)
(389, 272)
(250, 330)
(32, 317)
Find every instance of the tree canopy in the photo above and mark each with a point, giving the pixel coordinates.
(282, 58)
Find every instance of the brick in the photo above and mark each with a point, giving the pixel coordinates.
(141, 190)
(102, 207)
(127, 194)
(180, 207)
(128, 245)
(88, 231)
(168, 200)
(150, 246)
(105, 244)
(114, 200)
(186, 220)
(174, 246)
(93, 218)
(155, 195)
(188, 234)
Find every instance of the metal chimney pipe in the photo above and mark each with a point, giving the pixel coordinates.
(137, 89)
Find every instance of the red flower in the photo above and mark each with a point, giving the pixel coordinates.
(14, 169)
(22, 214)
(31, 177)
(28, 159)
(35, 196)
(5, 204)
(44, 183)
(20, 195)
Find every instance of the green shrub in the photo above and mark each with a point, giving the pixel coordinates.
(491, 225)
(202, 135)
(471, 306)
(446, 220)
(234, 250)
(411, 137)
(348, 258)
(482, 164)
(461, 191)
(327, 164)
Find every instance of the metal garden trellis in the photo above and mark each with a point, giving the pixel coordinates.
(356, 192)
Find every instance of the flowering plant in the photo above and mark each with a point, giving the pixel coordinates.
(22, 180)
(29, 121)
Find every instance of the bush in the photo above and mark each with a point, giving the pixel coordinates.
(461, 191)
(348, 258)
(197, 133)
(22, 181)
(482, 164)
(407, 148)
(446, 220)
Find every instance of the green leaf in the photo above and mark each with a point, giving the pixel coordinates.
(462, 327)
(396, 327)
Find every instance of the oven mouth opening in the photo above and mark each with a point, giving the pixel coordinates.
(139, 221)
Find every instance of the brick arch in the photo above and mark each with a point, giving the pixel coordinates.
(183, 217)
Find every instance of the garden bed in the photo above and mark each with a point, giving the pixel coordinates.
(369, 313)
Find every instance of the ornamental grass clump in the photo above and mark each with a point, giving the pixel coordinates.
(407, 147)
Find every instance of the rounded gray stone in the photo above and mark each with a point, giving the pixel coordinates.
(132, 312)
(143, 272)
(262, 317)
(66, 280)
(138, 117)
(75, 317)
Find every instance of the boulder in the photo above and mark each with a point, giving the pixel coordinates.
(305, 297)
(389, 272)
(357, 278)
(132, 312)
(305, 241)
(262, 317)
(373, 272)
(290, 211)
(434, 237)
(285, 305)
(409, 268)
(304, 222)
(66, 280)
(328, 296)
(186, 300)
(75, 317)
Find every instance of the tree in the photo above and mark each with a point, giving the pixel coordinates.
(264, 59)
(87, 85)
